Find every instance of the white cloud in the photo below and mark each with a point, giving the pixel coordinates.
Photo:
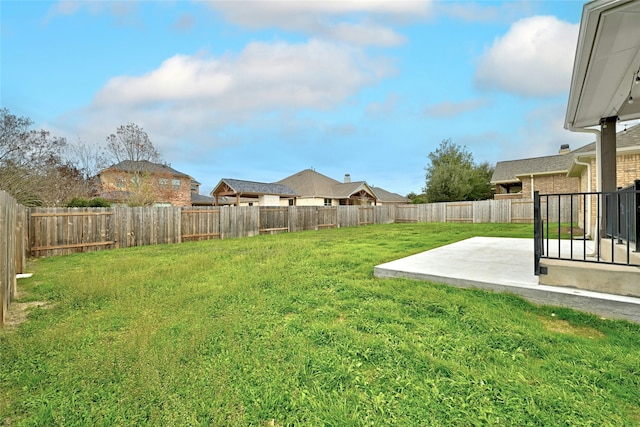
(197, 97)
(451, 109)
(263, 76)
(534, 58)
(362, 22)
(483, 11)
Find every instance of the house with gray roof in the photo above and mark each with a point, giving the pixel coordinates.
(305, 188)
(569, 171)
(249, 193)
(146, 183)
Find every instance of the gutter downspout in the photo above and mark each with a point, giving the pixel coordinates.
(588, 165)
(598, 135)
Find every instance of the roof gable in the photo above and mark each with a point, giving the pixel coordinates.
(309, 183)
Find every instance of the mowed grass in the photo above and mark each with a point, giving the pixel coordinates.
(293, 329)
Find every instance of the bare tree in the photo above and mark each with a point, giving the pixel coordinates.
(27, 159)
(131, 142)
(131, 148)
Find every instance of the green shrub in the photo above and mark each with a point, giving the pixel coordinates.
(81, 202)
(78, 202)
(99, 202)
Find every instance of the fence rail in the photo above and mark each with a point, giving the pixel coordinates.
(13, 218)
(58, 231)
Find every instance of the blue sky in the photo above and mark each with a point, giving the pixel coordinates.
(259, 90)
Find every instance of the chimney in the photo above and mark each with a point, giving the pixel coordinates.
(347, 178)
(564, 149)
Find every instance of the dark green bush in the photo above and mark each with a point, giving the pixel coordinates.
(81, 202)
(78, 202)
(99, 202)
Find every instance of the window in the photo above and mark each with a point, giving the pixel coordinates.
(164, 182)
(121, 182)
(175, 183)
(290, 202)
(327, 202)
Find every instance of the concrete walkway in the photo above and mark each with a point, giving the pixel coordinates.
(505, 265)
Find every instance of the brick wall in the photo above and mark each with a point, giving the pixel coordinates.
(550, 184)
(156, 188)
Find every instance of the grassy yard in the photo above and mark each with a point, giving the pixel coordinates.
(294, 329)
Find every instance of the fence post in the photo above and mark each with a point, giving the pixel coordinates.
(537, 233)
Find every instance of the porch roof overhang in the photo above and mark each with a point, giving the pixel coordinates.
(606, 64)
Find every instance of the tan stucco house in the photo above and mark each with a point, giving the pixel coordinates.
(316, 189)
(305, 188)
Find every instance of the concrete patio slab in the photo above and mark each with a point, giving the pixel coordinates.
(506, 265)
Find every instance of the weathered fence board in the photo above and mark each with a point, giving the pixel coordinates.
(57, 231)
(200, 223)
(13, 218)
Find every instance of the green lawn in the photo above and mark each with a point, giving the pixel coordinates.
(293, 329)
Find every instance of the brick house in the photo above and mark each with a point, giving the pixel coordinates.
(570, 171)
(146, 183)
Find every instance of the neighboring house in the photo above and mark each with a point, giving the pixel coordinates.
(315, 189)
(147, 183)
(305, 188)
(568, 171)
(250, 193)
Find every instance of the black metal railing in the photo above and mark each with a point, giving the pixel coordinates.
(576, 226)
(624, 206)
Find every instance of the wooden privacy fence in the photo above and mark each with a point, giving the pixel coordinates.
(56, 231)
(13, 219)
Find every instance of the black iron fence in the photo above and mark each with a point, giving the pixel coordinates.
(603, 227)
(623, 207)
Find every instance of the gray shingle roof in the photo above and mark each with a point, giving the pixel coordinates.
(147, 166)
(256, 188)
(387, 196)
(199, 199)
(507, 171)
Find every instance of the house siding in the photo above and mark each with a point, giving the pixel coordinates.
(550, 184)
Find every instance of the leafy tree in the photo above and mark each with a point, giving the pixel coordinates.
(452, 175)
(417, 199)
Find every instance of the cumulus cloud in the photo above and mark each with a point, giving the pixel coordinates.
(316, 74)
(534, 58)
(201, 97)
(363, 22)
(451, 109)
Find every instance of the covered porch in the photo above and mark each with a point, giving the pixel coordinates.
(604, 87)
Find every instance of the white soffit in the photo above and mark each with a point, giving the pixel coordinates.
(607, 60)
